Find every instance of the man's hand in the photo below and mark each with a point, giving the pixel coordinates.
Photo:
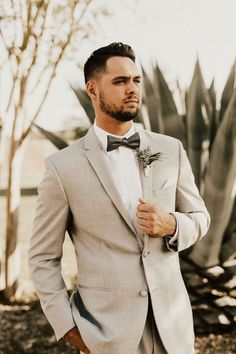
(74, 338)
(154, 220)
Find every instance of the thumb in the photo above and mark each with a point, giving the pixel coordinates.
(143, 201)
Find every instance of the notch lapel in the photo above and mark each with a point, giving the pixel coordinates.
(94, 154)
(146, 181)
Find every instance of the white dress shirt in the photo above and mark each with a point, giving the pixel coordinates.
(124, 170)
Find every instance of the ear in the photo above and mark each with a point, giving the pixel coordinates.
(91, 89)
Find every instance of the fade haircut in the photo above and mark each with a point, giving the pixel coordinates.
(96, 63)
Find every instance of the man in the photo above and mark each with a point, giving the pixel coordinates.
(128, 218)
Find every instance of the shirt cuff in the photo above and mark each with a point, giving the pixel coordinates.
(172, 241)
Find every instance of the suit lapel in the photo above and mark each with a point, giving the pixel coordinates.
(146, 181)
(94, 154)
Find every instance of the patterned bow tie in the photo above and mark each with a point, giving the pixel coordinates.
(133, 142)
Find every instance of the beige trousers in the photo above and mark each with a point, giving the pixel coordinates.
(150, 342)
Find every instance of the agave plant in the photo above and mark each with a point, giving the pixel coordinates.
(228, 249)
(173, 123)
(85, 103)
(199, 117)
(152, 102)
(215, 114)
(219, 194)
(228, 91)
(55, 140)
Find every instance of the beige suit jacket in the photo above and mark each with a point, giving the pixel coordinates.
(116, 266)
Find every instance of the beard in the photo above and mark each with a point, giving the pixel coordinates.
(119, 114)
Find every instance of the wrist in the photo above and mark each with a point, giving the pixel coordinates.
(172, 225)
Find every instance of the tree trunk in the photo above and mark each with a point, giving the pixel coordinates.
(11, 262)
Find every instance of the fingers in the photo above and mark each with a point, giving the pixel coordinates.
(148, 218)
(142, 214)
(143, 222)
(146, 213)
(151, 229)
(150, 224)
(74, 338)
(143, 201)
(147, 206)
(145, 229)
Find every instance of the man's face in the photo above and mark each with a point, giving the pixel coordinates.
(119, 89)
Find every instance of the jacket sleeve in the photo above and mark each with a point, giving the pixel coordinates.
(45, 252)
(192, 217)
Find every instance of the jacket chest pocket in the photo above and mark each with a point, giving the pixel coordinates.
(165, 194)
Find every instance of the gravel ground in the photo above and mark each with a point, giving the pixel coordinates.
(24, 329)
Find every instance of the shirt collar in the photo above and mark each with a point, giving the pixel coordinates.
(102, 134)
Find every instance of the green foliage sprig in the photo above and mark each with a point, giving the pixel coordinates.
(145, 158)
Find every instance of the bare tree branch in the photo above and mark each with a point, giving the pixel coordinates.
(38, 48)
(3, 42)
(15, 24)
(24, 79)
(31, 21)
(26, 132)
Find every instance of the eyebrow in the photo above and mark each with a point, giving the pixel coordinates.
(125, 77)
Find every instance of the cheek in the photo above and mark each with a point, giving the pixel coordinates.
(140, 94)
(115, 97)
(113, 93)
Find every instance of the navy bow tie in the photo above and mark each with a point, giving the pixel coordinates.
(133, 142)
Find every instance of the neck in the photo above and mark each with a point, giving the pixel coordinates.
(113, 126)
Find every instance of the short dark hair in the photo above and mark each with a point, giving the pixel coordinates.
(97, 60)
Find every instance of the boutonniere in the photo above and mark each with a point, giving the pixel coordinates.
(145, 158)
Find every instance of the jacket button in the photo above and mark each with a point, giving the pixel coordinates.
(143, 293)
(146, 253)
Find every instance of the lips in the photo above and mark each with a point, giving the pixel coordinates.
(131, 100)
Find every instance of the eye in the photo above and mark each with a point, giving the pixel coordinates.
(138, 80)
(120, 81)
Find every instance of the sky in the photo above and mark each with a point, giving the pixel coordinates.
(176, 32)
(173, 33)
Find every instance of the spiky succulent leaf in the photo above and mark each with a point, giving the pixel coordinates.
(228, 91)
(199, 115)
(53, 138)
(220, 188)
(152, 102)
(85, 103)
(173, 123)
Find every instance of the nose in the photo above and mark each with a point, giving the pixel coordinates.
(132, 88)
